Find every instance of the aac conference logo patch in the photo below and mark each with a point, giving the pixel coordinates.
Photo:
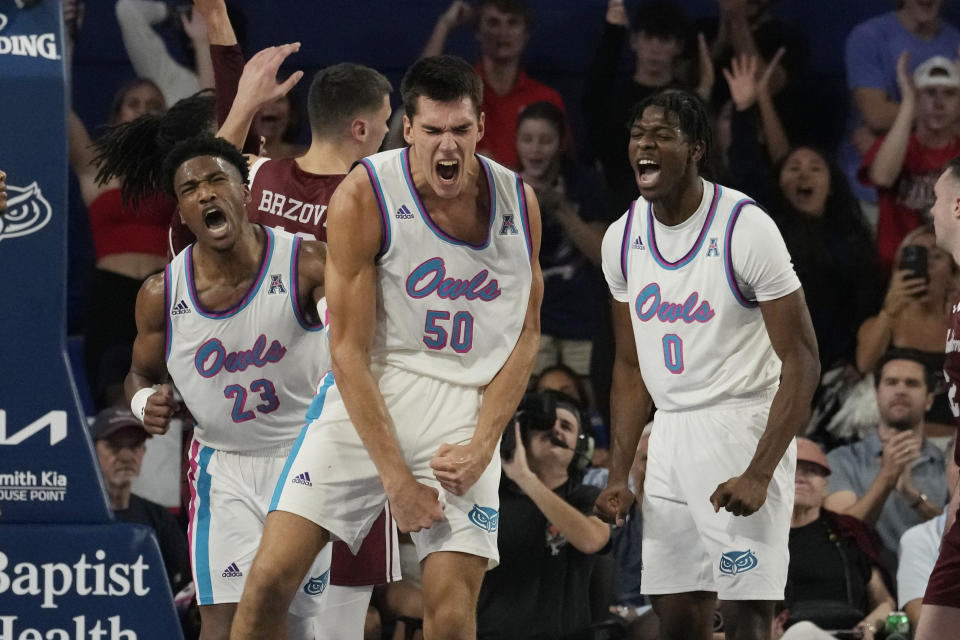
(27, 211)
(734, 562)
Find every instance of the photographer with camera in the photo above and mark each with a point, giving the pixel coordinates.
(547, 536)
(914, 316)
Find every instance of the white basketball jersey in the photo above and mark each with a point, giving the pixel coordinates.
(247, 373)
(700, 339)
(445, 308)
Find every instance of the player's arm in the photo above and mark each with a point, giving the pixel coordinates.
(148, 367)
(354, 236)
(788, 324)
(458, 467)
(630, 406)
(310, 273)
(258, 86)
(761, 261)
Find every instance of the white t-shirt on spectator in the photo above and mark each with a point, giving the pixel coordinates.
(919, 548)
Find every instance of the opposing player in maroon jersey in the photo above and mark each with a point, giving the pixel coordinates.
(348, 108)
(940, 614)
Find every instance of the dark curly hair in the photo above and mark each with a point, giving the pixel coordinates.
(690, 112)
(134, 151)
(202, 145)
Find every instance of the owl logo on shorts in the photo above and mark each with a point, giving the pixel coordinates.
(734, 562)
(316, 586)
(486, 518)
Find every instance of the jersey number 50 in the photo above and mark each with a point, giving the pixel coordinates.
(460, 336)
(268, 395)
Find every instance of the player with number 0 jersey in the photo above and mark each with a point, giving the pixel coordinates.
(711, 328)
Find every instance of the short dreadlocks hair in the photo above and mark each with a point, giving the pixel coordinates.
(690, 112)
(202, 145)
(134, 151)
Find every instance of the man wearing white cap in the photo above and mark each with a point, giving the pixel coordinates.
(905, 163)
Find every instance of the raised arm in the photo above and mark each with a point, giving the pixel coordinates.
(147, 51)
(195, 26)
(354, 236)
(748, 86)
(788, 324)
(148, 367)
(458, 13)
(219, 30)
(82, 158)
(735, 24)
(258, 86)
(458, 467)
(888, 163)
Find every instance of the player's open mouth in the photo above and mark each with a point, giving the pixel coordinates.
(447, 170)
(648, 172)
(214, 218)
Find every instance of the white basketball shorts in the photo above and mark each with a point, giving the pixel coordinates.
(686, 546)
(229, 496)
(331, 480)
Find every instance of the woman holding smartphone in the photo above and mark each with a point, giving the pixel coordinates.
(914, 315)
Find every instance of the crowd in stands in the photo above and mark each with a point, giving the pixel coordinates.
(872, 479)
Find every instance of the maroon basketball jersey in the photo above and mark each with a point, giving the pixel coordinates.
(951, 368)
(284, 195)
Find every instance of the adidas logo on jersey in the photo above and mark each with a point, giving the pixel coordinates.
(303, 478)
(638, 244)
(233, 571)
(180, 308)
(403, 213)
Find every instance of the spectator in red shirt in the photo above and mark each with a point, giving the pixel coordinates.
(503, 28)
(905, 163)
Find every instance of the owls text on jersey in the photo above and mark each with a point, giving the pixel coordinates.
(247, 373)
(693, 291)
(445, 308)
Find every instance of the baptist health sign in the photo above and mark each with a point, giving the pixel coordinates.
(67, 570)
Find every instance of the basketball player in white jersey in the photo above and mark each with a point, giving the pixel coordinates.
(233, 323)
(711, 327)
(348, 107)
(434, 291)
